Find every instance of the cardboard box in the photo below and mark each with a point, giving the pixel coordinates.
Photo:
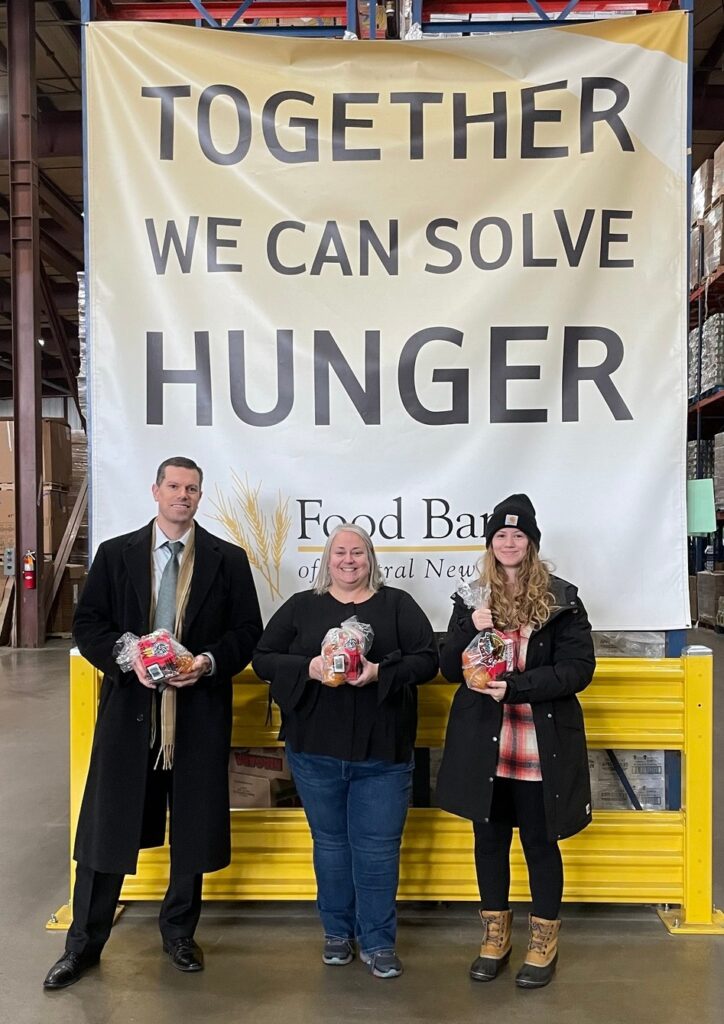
(694, 258)
(66, 600)
(255, 791)
(709, 588)
(79, 458)
(56, 512)
(611, 796)
(7, 518)
(719, 470)
(644, 770)
(263, 762)
(717, 184)
(57, 454)
(713, 240)
(701, 186)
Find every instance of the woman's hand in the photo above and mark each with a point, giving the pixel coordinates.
(315, 668)
(369, 674)
(483, 618)
(496, 689)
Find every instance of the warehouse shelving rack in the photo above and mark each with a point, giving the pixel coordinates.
(371, 18)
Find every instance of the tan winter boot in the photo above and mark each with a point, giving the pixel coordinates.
(495, 948)
(542, 956)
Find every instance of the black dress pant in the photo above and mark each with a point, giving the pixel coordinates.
(95, 897)
(518, 803)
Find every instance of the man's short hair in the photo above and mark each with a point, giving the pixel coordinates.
(181, 463)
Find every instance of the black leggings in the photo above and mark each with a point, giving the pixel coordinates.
(521, 804)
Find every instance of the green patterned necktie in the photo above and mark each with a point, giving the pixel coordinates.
(165, 616)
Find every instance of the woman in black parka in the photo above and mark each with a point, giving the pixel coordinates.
(515, 753)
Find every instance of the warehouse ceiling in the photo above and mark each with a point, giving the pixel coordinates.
(58, 57)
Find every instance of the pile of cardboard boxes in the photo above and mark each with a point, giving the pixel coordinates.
(260, 777)
(56, 505)
(645, 771)
(707, 213)
(709, 589)
(56, 483)
(712, 357)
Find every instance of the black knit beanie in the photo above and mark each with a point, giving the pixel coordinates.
(517, 512)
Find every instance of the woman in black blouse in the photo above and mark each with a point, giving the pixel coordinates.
(350, 747)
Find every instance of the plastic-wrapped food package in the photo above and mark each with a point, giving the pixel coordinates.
(487, 656)
(701, 187)
(473, 595)
(490, 652)
(343, 649)
(629, 645)
(161, 653)
(713, 240)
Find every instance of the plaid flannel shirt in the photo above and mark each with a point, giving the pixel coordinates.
(518, 749)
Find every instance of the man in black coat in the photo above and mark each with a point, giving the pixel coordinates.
(154, 753)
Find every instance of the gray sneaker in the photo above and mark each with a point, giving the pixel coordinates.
(385, 963)
(337, 952)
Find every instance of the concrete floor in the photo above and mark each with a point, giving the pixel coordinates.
(618, 965)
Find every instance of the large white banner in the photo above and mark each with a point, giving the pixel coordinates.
(393, 283)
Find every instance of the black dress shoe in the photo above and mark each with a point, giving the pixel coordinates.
(68, 969)
(185, 954)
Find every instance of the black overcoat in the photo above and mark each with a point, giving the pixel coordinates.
(222, 619)
(559, 664)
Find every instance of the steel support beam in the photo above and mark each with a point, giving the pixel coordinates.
(25, 270)
(58, 257)
(62, 208)
(48, 227)
(60, 134)
(61, 340)
(65, 297)
(65, 15)
(50, 350)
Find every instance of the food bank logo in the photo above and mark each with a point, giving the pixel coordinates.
(262, 535)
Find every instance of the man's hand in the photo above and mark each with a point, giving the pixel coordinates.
(200, 667)
(140, 669)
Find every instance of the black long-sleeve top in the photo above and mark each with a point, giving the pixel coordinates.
(377, 721)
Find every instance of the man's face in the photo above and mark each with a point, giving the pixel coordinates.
(178, 496)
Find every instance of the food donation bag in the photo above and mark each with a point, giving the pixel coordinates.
(161, 653)
(490, 653)
(342, 651)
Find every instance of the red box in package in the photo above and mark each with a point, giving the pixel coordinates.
(487, 657)
(342, 651)
(162, 655)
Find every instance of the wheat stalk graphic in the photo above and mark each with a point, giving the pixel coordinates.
(245, 522)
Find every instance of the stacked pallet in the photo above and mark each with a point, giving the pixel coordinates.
(707, 217)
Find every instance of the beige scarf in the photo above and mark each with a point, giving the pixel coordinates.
(168, 697)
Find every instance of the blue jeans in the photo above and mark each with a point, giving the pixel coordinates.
(356, 812)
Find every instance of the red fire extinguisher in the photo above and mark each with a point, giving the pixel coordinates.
(30, 574)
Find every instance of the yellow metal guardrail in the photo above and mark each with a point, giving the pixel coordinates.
(654, 857)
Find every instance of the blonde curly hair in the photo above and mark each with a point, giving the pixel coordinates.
(531, 603)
